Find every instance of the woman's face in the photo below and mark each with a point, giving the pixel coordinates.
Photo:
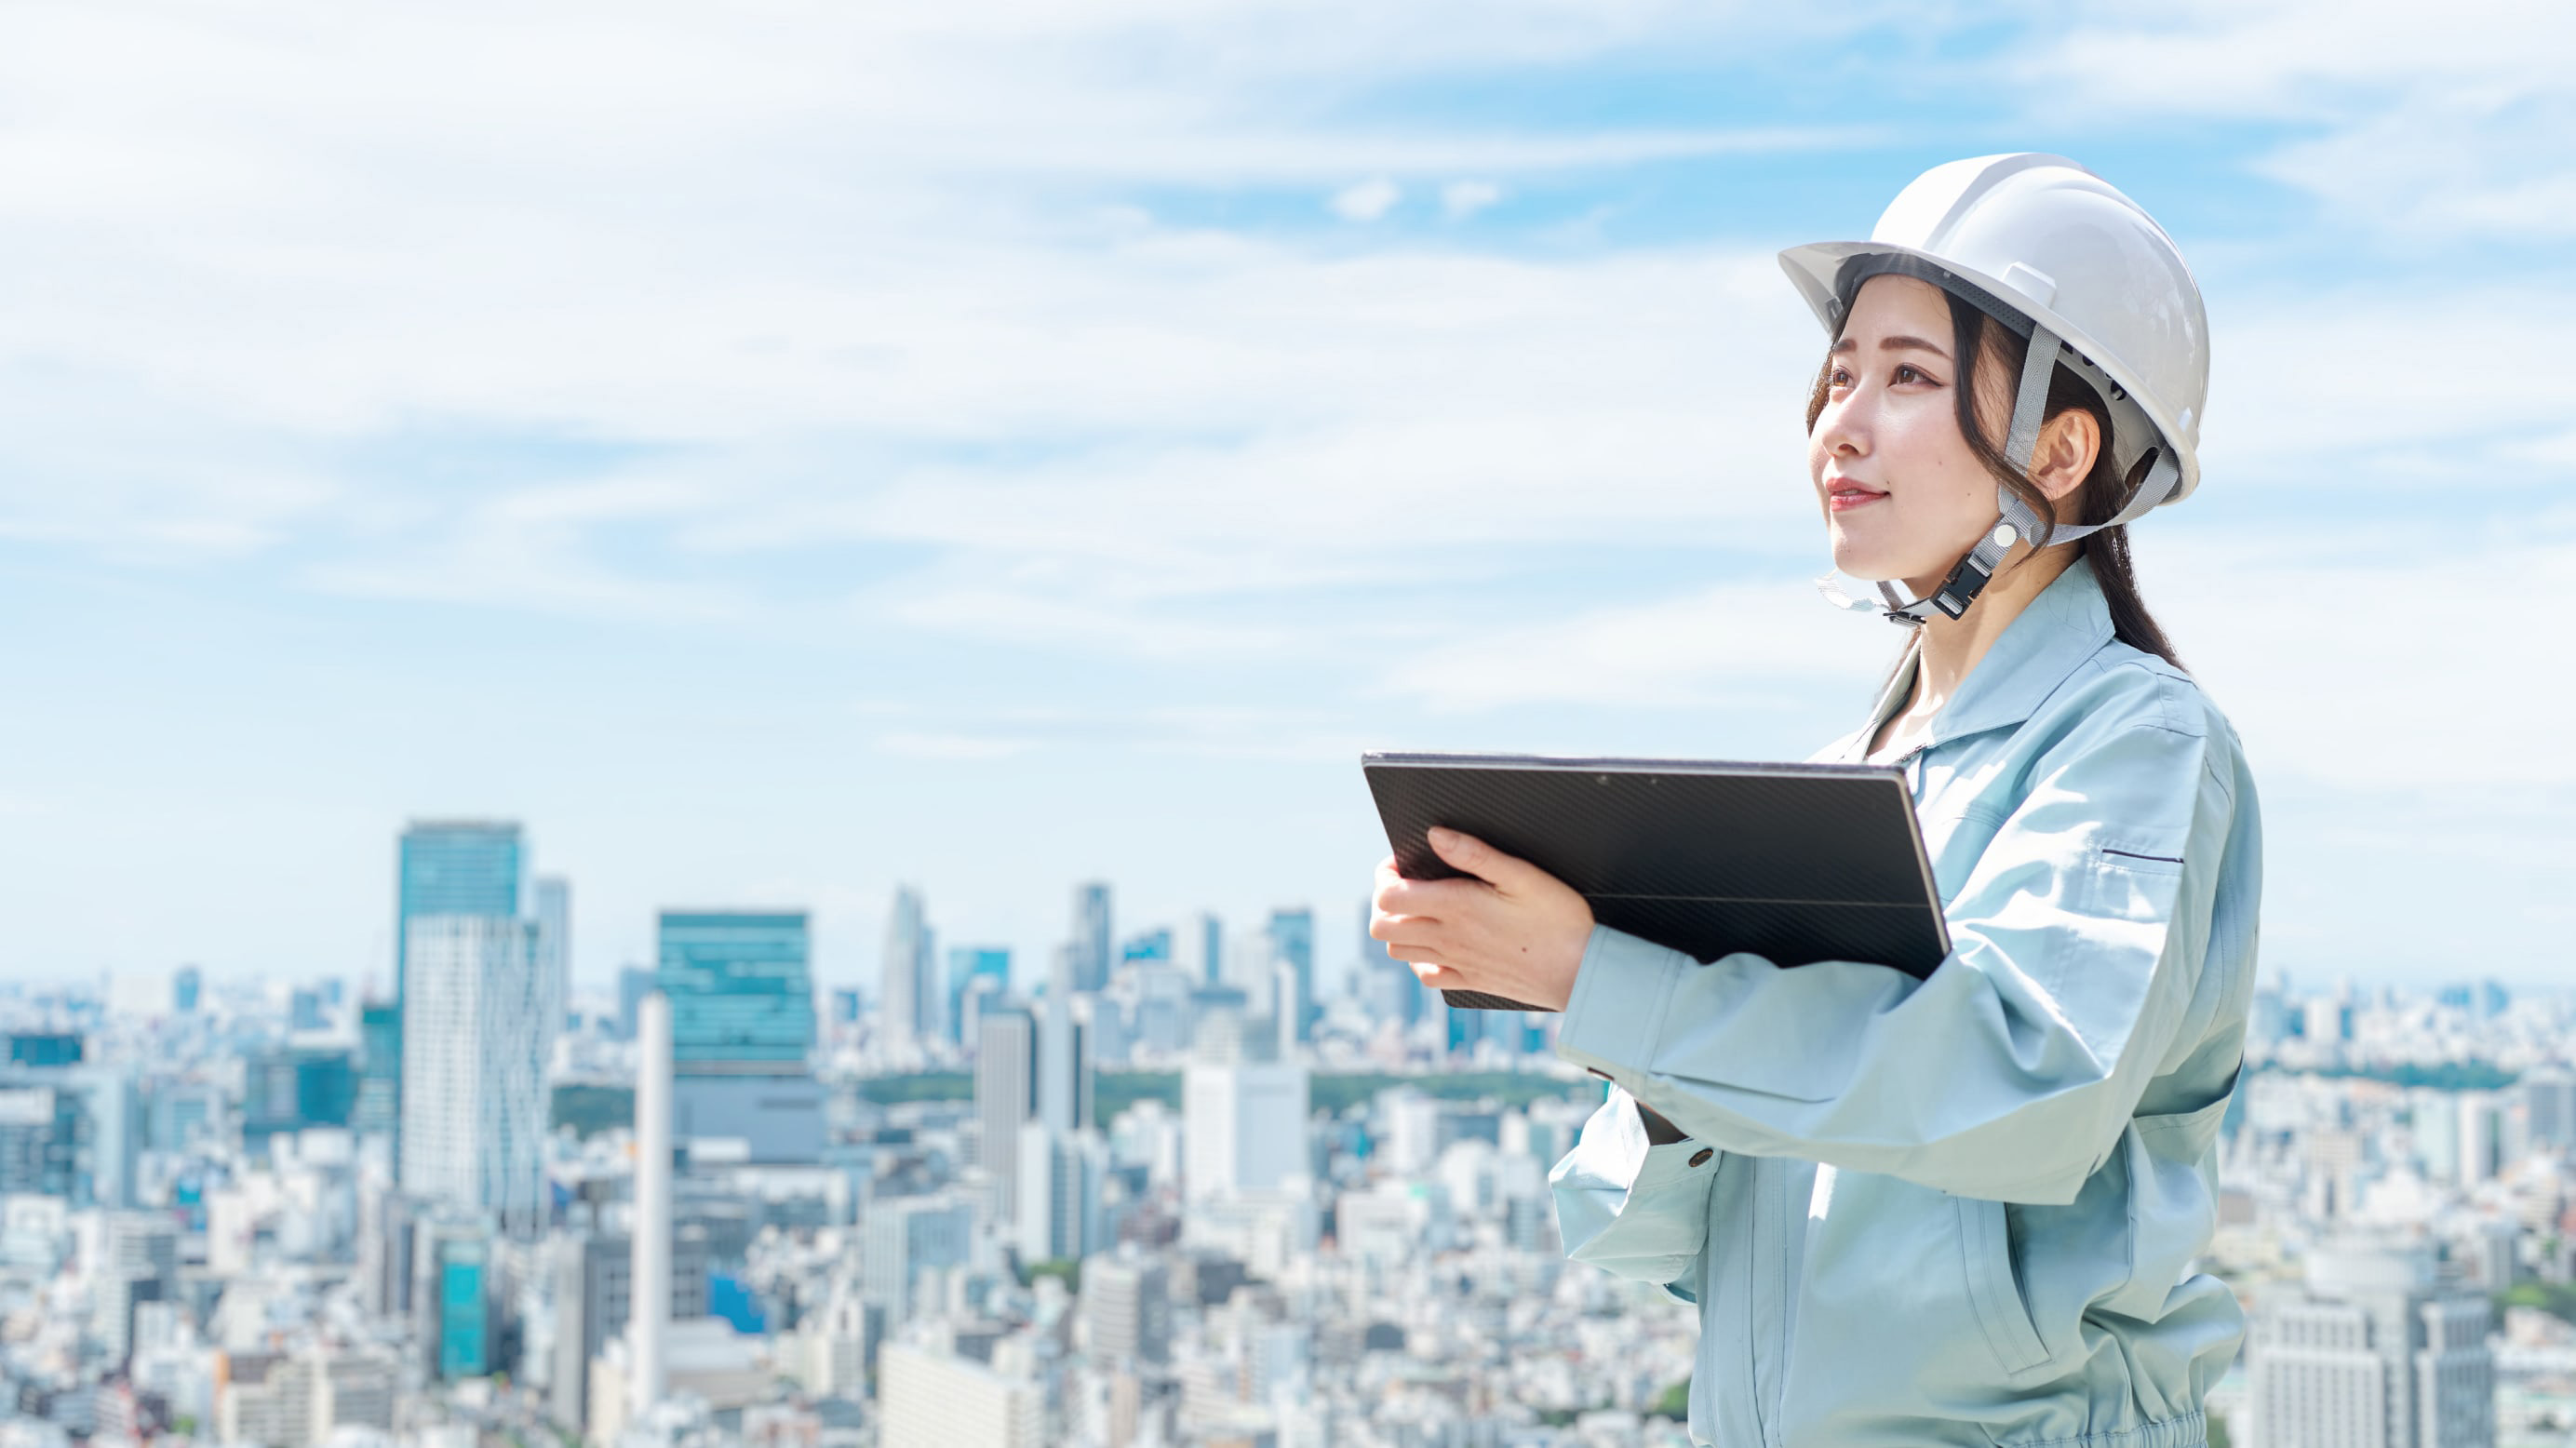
(1903, 496)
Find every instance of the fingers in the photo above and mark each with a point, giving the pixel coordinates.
(1403, 932)
(1466, 852)
(1436, 899)
(1429, 968)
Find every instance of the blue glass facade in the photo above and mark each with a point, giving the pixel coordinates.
(380, 1068)
(464, 1328)
(1292, 941)
(973, 969)
(293, 1088)
(457, 867)
(741, 989)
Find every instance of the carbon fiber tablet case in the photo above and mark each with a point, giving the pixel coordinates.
(1796, 862)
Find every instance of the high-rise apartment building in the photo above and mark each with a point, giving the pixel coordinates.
(476, 1031)
(742, 1027)
(471, 868)
(912, 1007)
(1091, 936)
(2377, 1354)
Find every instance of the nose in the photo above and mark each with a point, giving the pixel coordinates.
(1843, 427)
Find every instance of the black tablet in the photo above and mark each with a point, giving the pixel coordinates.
(1794, 862)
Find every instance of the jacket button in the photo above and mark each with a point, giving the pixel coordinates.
(1701, 1156)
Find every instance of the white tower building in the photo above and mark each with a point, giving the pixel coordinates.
(649, 1319)
(1243, 1127)
(478, 1016)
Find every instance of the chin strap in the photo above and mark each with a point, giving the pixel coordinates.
(2015, 520)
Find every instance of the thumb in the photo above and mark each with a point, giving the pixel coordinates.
(1466, 852)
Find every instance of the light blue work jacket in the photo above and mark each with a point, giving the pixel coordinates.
(1962, 1209)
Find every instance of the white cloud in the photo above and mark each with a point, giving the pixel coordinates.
(1462, 199)
(2448, 122)
(1701, 649)
(1368, 201)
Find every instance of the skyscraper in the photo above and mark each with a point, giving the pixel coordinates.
(1202, 946)
(1292, 943)
(912, 1004)
(742, 1025)
(976, 973)
(552, 901)
(1091, 936)
(456, 867)
(470, 868)
(1006, 1082)
(476, 1031)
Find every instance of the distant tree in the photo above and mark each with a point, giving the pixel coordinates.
(1675, 1403)
(1068, 1268)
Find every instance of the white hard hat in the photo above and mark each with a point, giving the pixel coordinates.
(2060, 256)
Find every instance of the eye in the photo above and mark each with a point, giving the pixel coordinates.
(1838, 377)
(1908, 372)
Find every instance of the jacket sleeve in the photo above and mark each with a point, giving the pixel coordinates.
(2010, 1072)
(1631, 1208)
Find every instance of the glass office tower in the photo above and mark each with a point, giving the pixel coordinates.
(742, 995)
(742, 1024)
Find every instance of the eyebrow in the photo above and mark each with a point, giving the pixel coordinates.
(1893, 344)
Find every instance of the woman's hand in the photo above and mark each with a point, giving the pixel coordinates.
(1513, 930)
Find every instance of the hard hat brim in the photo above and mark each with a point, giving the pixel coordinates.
(1815, 269)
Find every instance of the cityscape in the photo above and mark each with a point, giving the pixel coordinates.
(1157, 1190)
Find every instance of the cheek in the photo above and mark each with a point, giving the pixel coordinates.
(1939, 476)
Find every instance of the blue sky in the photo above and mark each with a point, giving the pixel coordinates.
(781, 453)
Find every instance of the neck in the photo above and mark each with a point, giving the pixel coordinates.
(1951, 647)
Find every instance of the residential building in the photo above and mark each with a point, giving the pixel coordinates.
(476, 1030)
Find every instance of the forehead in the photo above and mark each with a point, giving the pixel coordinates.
(1891, 304)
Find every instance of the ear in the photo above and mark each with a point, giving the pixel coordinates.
(2068, 444)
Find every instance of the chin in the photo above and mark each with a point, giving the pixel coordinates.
(1859, 558)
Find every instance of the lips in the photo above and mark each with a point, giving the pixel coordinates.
(1843, 493)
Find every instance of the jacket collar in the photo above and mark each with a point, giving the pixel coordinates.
(2065, 625)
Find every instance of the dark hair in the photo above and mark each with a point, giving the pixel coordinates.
(2098, 499)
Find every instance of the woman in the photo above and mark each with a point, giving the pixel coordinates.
(1961, 1209)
